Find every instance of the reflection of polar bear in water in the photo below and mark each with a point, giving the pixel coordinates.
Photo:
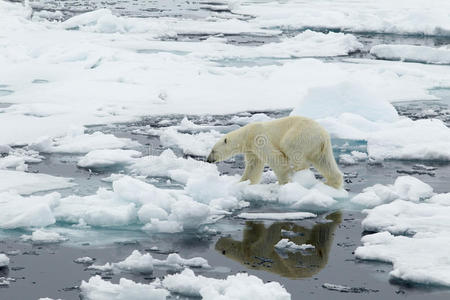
(256, 250)
(287, 145)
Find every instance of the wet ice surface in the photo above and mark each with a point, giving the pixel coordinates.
(237, 245)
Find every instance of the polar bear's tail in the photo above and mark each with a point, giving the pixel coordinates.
(326, 165)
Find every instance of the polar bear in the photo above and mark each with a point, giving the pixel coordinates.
(287, 145)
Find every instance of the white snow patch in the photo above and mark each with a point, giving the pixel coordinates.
(44, 237)
(353, 158)
(290, 246)
(145, 263)
(77, 141)
(422, 255)
(405, 187)
(240, 286)
(98, 289)
(84, 260)
(29, 183)
(17, 211)
(412, 53)
(199, 144)
(108, 158)
(4, 260)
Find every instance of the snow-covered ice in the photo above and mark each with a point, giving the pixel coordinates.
(34, 211)
(4, 260)
(44, 237)
(76, 141)
(98, 289)
(290, 246)
(384, 16)
(412, 53)
(107, 158)
(145, 263)
(239, 286)
(405, 224)
(29, 183)
(84, 260)
(405, 187)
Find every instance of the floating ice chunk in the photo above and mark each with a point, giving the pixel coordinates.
(441, 199)
(176, 261)
(405, 187)
(412, 53)
(190, 214)
(353, 158)
(260, 117)
(44, 237)
(103, 21)
(4, 260)
(404, 217)
(345, 97)
(108, 158)
(150, 211)
(277, 216)
(78, 142)
(199, 144)
(33, 211)
(85, 260)
(136, 262)
(406, 139)
(101, 209)
(314, 200)
(98, 289)
(287, 245)
(382, 17)
(167, 164)
(411, 188)
(421, 259)
(163, 226)
(239, 286)
(28, 183)
(145, 263)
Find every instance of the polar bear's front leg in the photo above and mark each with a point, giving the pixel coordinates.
(253, 168)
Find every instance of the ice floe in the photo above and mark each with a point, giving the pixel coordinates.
(34, 211)
(407, 188)
(199, 144)
(277, 216)
(43, 237)
(239, 286)
(405, 224)
(98, 289)
(107, 158)
(28, 183)
(384, 16)
(84, 260)
(79, 142)
(412, 53)
(145, 263)
(290, 246)
(4, 260)
(351, 111)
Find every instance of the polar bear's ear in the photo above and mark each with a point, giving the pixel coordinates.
(225, 140)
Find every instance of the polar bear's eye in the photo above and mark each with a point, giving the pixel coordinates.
(225, 140)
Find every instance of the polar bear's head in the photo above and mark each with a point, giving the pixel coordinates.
(228, 146)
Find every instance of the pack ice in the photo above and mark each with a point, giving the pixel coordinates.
(413, 230)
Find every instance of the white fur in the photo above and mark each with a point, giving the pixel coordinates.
(287, 145)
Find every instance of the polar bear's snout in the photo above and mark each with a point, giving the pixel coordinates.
(211, 158)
